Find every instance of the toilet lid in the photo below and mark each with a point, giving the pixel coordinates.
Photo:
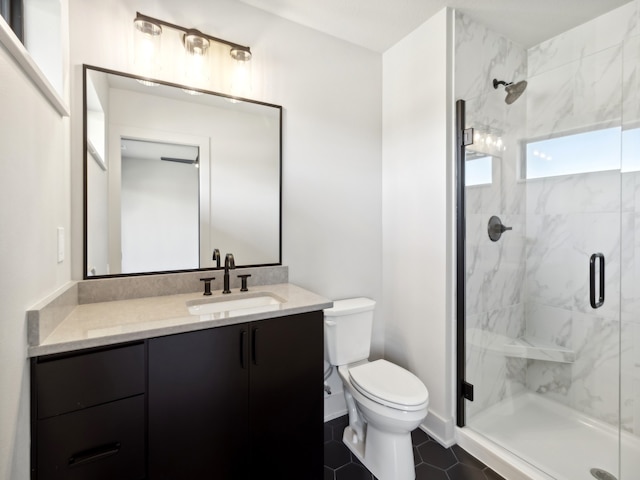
(389, 384)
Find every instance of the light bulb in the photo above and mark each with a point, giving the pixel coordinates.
(196, 68)
(147, 47)
(241, 75)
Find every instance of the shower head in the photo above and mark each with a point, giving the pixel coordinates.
(514, 90)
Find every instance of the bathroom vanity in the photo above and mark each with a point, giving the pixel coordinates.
(229, 394)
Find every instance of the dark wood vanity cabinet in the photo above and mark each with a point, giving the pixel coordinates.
(286, 408)
(198, 399)
(235, 402)
(88, 415)
(238, 402)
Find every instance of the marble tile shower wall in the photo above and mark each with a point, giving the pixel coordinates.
(495, 270)
(575, 85)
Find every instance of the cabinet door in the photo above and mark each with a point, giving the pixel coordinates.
(286, 401)
(198, 405)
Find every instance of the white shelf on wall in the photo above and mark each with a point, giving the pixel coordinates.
(521, 347)
(534, 349)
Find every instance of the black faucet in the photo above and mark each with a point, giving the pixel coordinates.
(229, 264)
(216, 257)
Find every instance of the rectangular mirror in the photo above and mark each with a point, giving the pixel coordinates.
(172, 174)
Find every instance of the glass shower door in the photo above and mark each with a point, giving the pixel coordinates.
(542, 302)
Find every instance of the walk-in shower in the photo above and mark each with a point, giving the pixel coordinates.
(549, 310)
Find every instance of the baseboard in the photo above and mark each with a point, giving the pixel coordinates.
(334, 406)
(440, 429)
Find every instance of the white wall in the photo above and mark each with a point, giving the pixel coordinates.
(332, 131)
(34, 199)
(417, 213)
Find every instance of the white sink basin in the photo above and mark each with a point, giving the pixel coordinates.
(235, 304)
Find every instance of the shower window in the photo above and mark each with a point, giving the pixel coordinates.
(592, 151)
(478, 170)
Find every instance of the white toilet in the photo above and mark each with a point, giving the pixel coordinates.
(385, 401)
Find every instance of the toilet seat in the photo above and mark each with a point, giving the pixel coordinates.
(390, 385)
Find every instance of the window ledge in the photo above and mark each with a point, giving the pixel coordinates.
(22, 57)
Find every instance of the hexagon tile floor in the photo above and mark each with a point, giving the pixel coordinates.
(433, 461)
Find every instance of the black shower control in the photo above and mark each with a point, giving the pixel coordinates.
(495, 229)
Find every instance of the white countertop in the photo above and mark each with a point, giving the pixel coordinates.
(108, 323)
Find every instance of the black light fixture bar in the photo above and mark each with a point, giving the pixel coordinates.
(234, 46)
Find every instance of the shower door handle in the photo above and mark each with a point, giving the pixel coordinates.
(596, 258)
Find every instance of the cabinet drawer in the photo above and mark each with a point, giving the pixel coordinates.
(84, 380)
(99, 443)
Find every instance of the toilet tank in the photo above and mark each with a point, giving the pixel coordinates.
(347, 327)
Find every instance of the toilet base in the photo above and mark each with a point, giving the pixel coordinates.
(387, 456)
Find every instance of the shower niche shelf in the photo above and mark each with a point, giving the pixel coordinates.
(525, 347)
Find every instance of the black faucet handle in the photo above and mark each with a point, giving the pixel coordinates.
(244, 282)
(207, 284)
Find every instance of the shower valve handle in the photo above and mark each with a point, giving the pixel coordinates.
(495, 229)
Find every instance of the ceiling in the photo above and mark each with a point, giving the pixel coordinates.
(139, 149)
(379, 24)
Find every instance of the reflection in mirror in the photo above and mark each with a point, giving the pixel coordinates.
(159, 187)
(170, 176)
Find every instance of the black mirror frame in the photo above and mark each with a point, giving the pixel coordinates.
(86, 67)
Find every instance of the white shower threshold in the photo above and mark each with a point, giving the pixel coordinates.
(529, 437)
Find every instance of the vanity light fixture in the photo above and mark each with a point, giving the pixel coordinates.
(197, 46)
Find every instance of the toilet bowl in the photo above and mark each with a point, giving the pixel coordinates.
(385, 402)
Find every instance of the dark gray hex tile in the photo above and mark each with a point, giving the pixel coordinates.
(465, 472)
(435, 454)
(336, 454)
(355, 459)
(328, 474)
(418, 437)
(353, 471)
(427, 472)
(328, 433)
(417, 460)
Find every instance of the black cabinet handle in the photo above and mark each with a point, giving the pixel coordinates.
(254, 346)
(92, 454)
(243, 348)
(592, 280)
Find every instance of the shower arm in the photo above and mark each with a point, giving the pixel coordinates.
(497, 83)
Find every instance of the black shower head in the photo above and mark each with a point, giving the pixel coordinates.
(514, 90)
